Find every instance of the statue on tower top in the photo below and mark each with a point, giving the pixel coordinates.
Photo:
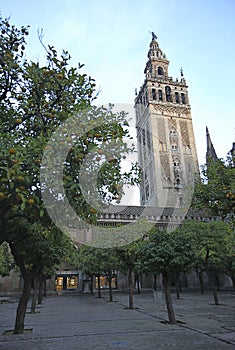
(154, 36)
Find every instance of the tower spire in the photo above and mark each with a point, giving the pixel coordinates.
(210, 150)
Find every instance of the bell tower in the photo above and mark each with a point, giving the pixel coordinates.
(166, 145)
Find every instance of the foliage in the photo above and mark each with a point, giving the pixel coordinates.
(215, 194)
(6, 260)
(165, 251)
(41, 250)
(128, 257)
(214, 245)
(95, 261)
(168, 253)
(32, 105)
(34, 101)
(92, 260)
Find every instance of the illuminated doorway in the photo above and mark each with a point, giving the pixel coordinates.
(65, 282)
(104, 283)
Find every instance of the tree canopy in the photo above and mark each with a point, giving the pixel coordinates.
(35, 100)
(215, 194)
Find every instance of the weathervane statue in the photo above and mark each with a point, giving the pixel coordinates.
(154, 36)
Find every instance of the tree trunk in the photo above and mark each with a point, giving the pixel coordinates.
(99, 288)
(233, 280)
(201, 280)
(44, 287)
(186, 279)
(34, 296)
(177, 287)
(40, 289)
(155, 282)
(92, 284)
(131, 293)
(215, 295)
(138, 283)
(22, 306)
(110, 288)
(180, 285)
(24, 298)
(169, 305)
(217, 282)
(212, 279)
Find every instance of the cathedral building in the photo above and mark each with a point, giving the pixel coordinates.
(166, 145)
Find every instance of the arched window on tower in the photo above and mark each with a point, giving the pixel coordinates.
(168, 94)
(173, 132)
(174, 147)
(177, 166)
(177, 97)
(154, 95)
(160, 71)
(183, 100)
(160, 95)
(178, 182)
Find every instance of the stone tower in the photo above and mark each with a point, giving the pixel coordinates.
(166, 145)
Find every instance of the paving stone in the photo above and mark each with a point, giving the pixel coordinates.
(76, 321)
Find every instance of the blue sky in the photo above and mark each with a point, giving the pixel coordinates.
(112, 38)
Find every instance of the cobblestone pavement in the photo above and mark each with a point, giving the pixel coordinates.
(81, 321)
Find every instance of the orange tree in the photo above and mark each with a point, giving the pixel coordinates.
(6, 260)
(214, 246)
(34, 101)
(129, 262)
(215, 194)
(37, 251)
(96, 261)
(167, 253)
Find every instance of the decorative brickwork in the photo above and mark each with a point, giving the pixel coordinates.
(184, 132)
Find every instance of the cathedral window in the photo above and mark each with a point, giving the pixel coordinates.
(160, 71)
(143, 100)
(174, 147)
(149, 140)
(146, 187)
(173, 132)
(146, 97)
(154, 96)
(147, 191)
(160, 95)
(143, 137)
(183, 99)
(168, 94)
(177, 98)
(139, 135)
(177, 166)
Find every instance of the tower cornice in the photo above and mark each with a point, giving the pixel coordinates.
(178, 110)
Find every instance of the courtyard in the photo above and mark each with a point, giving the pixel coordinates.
(83, 321)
